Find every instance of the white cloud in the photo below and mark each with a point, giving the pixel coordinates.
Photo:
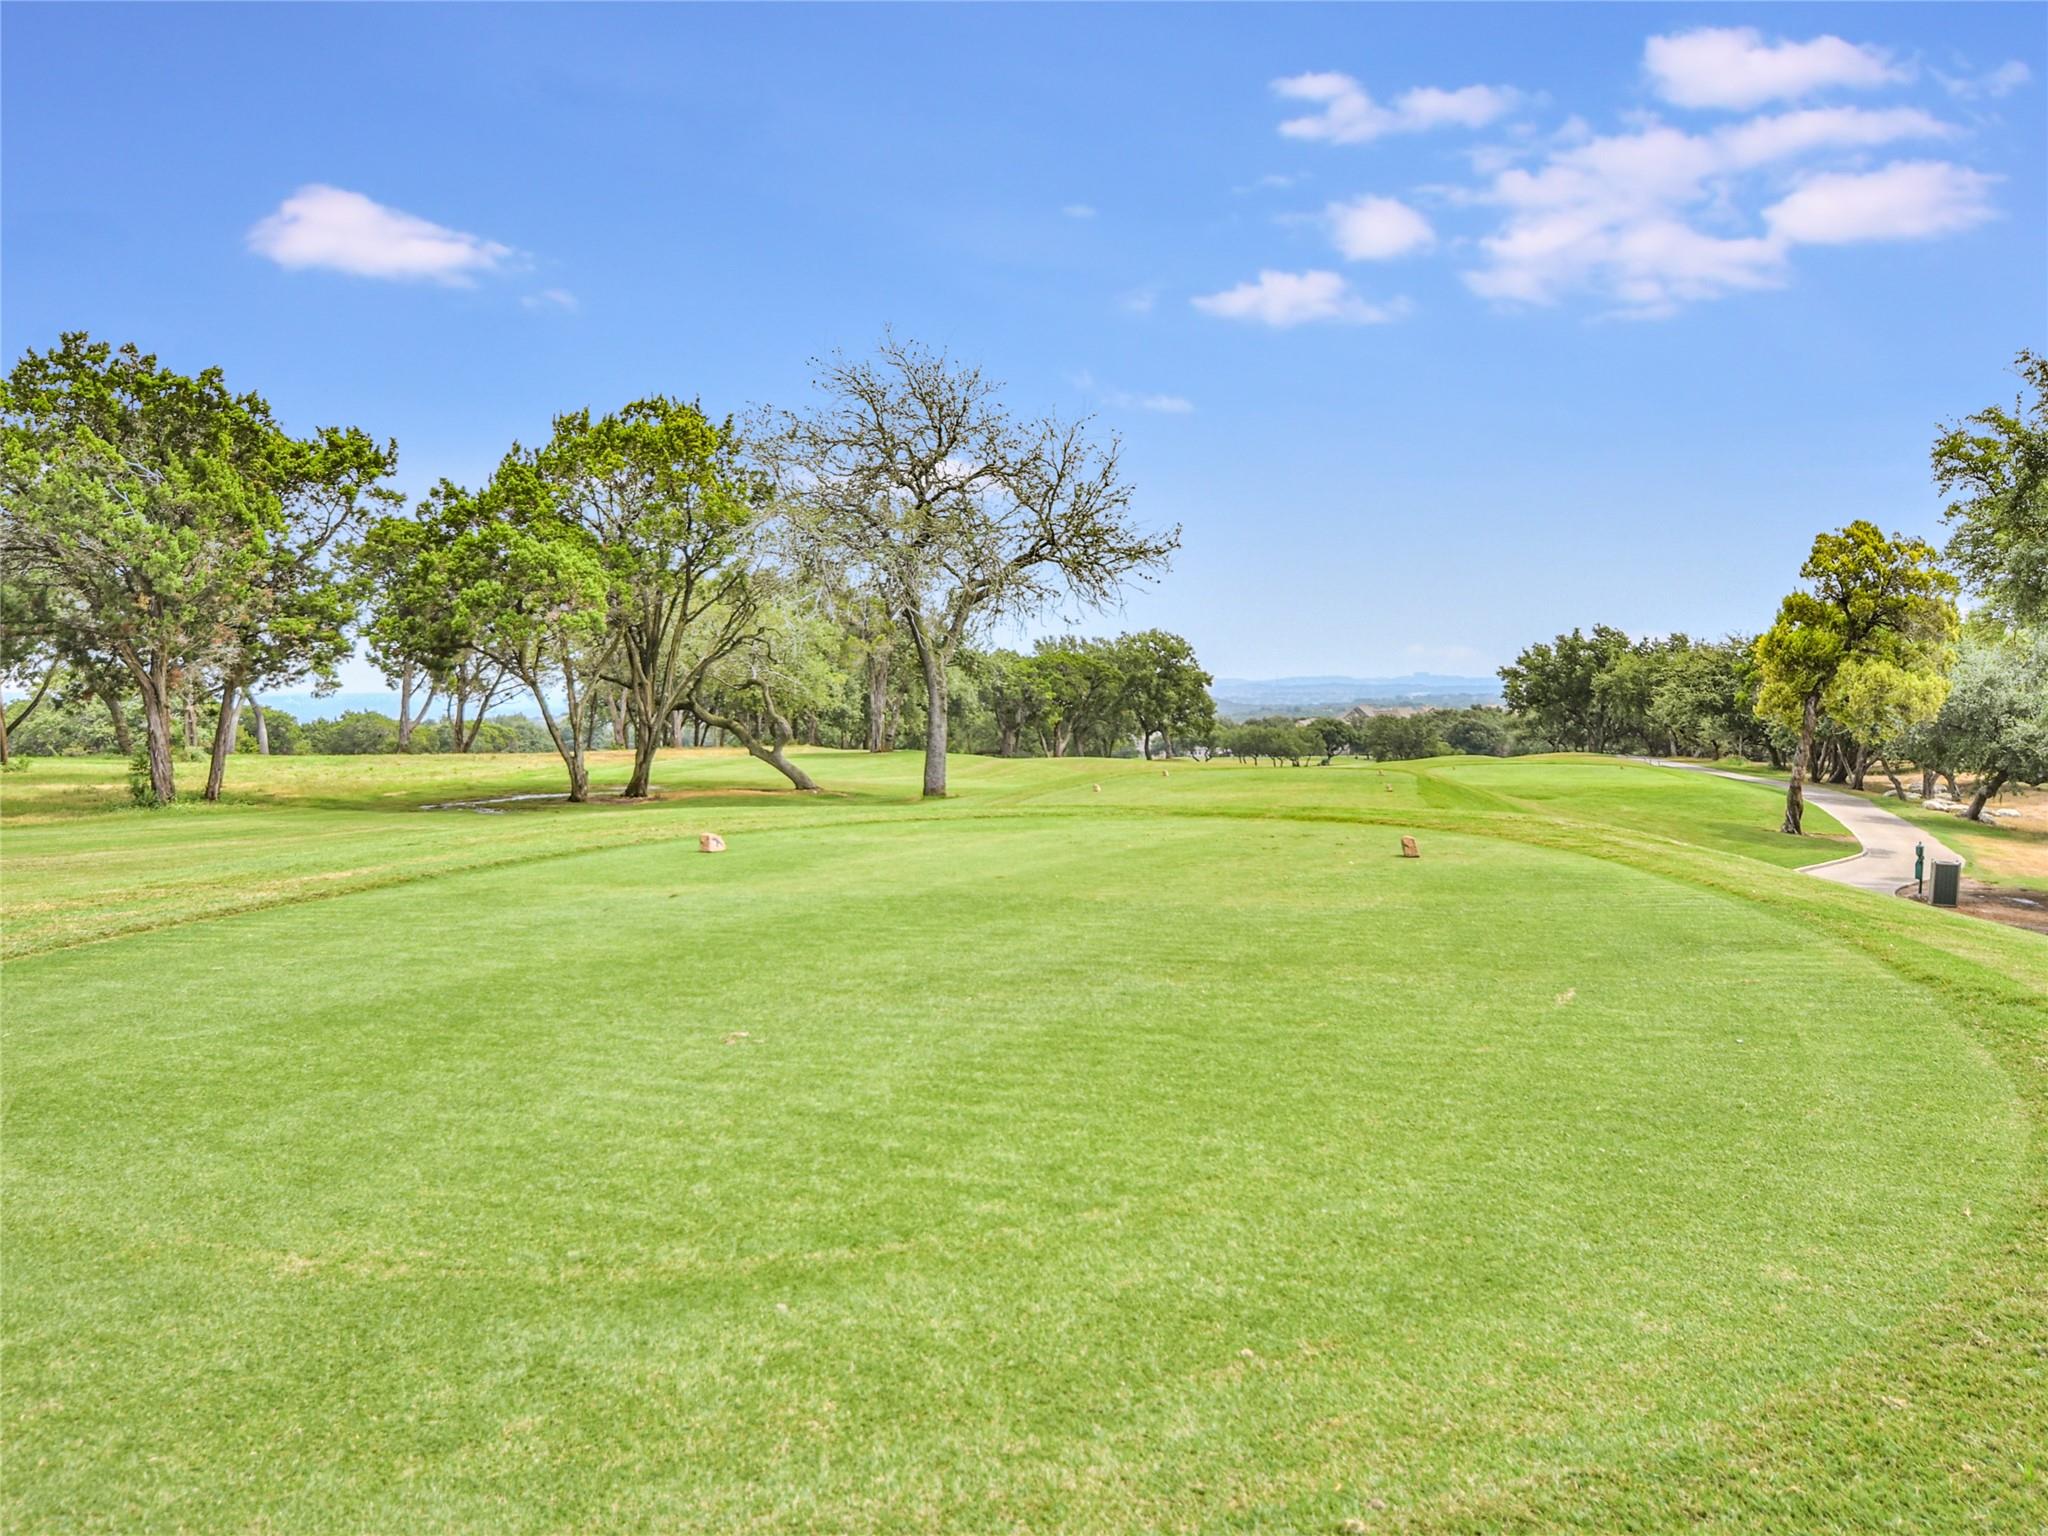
(1138, 301)
(1124, 399)
(1995, 83)
(1378, 228)
(1168, 405)
(1906, 200)
(1654, 215)
(320, 226)
(1764, 139)
(1470, 106)
(1347, 114)
(550, 298)
(1284, 299)
(1733, 67)
(1078, 211)
(1651, 219)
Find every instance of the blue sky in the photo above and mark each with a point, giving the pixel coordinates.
(1438, 328)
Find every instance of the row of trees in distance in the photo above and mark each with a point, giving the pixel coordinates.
(1870, 662)
(163, 537)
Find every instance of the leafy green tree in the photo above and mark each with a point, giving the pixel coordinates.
(1555, 685)
(1994, 723)
(1331, 734)
(134, 496)
(398, 640)
(284, 736)
(1015, 690)
(1994, 467)
(1274, 738)
(1702, 697)
(31, 652)
(357, 732)
(1479, 731)
(298, 599)
(1081, 693)
(526, 589)
(1398, 738)
(1869, 598)
(1879, 703)
(677, 512)
(925, 488)
(1164, 687)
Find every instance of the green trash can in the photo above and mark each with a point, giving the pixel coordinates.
(1948, 881)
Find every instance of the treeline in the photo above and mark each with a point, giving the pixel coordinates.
(1870, 664)
(1480, 730)
(1603, 692)
(1070, 697)
(646, 577)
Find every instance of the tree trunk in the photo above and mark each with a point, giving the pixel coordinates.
(6, 726)
(878, 702)
(1860, 767)
(770, 751)
(569, 743)
(933, 661)
(646, 743)
(1926, 782)
(1891, 773)
(408, 722)
(1795, 792)
(675, 728)
(1166, 741)
(1145, 740)
(256, 720)
(223, 738)
(1986, 788)
(156, 719)
(124, 739)
(935, 724)
(1955, 790)
(191, 720)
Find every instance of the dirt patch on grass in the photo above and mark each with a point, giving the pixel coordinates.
(1998, 904)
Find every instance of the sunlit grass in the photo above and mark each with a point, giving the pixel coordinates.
(1111, 1147)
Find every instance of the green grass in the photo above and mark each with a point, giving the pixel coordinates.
(1163, 1156)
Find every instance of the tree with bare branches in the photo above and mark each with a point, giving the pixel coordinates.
(917, 477)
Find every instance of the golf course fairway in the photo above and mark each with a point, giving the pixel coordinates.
(1114, 1146)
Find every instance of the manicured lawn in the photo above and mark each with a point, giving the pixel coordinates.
(1164, 1155)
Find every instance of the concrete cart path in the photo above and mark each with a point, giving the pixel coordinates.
(1886, 862)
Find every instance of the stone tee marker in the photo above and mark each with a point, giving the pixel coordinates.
(1409, 850)
(711, 842)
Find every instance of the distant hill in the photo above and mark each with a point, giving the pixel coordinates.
(1243, 697)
